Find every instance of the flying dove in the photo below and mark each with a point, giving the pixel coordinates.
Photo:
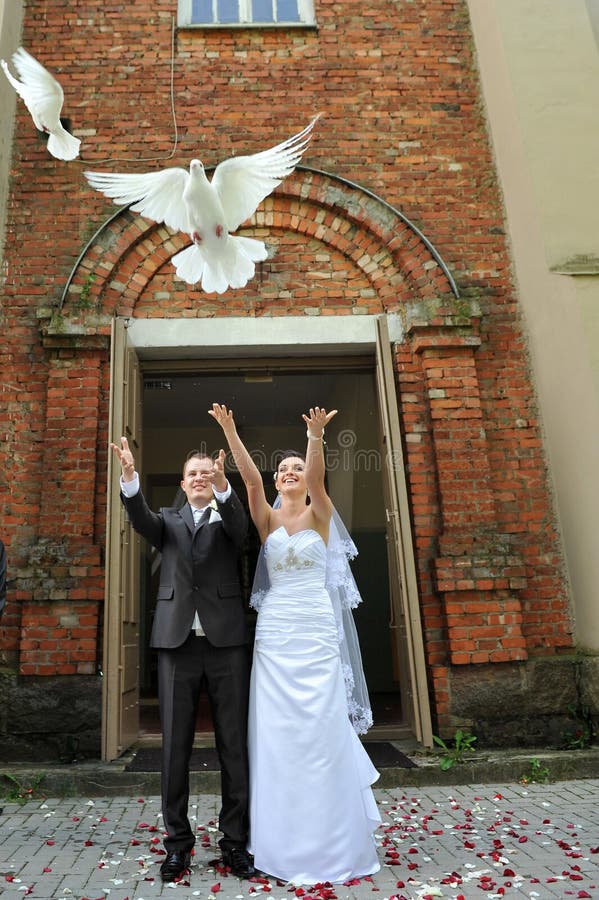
(43, 97)
(209, 211)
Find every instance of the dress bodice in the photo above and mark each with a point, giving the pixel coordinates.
(298, 558)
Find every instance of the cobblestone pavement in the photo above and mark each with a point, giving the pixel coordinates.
(477, 841)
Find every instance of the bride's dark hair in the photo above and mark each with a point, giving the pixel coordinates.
(287, 454)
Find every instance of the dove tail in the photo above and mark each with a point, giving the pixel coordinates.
(192, 266)
(250, 247)
(63, 145)
(189, 264)
(232, 268)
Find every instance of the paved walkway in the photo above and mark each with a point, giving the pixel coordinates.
(492, 840)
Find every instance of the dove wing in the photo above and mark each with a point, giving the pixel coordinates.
(40, 91)
(155, 195)
(242, 182)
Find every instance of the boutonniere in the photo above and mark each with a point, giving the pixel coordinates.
(213, 504)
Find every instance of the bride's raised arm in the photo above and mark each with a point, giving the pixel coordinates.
(315, 464)
(259, 507)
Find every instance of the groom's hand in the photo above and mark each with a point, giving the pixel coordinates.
(125, 458)
(217, 476)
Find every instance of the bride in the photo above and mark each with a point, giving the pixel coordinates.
(312, 810)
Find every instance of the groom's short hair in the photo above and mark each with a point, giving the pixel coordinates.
(195, 454)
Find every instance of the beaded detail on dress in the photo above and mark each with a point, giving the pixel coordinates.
(292, 561)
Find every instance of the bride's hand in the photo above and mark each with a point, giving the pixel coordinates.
(317, 420)
(223, 416)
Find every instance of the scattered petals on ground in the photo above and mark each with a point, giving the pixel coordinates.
(458, 843)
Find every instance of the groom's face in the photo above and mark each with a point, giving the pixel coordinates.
(195, 483)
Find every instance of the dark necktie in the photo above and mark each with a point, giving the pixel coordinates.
(200, 518)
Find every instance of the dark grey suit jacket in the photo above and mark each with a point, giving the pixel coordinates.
(199, 571)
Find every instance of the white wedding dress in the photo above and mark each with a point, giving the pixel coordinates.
(312, 810)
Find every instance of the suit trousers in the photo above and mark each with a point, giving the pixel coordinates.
(182, 671)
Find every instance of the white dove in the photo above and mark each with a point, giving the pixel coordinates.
(43, 97)
(209, 210)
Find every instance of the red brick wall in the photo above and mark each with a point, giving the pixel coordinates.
(402, 118)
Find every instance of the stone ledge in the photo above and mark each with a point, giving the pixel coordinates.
(100, 779)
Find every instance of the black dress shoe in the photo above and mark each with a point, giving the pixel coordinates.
(239, 861)
(175, 864)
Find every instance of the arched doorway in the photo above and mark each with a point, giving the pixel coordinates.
(340, 255)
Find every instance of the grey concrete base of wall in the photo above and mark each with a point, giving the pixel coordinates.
(546, 702)
(53, 719)
(549, 703)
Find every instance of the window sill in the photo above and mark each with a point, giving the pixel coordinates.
(279, 26)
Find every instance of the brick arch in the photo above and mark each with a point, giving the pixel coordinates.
(331, 243)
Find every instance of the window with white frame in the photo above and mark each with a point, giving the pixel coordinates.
(259, 13)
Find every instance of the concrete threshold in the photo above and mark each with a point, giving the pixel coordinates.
(94, 778)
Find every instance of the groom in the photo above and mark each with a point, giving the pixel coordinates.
(200, 634)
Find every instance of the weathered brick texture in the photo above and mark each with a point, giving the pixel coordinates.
(402, 119)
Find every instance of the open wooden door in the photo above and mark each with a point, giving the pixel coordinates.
(408, 649)
(120, 696)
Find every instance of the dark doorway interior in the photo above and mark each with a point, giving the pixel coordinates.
(268, 409)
